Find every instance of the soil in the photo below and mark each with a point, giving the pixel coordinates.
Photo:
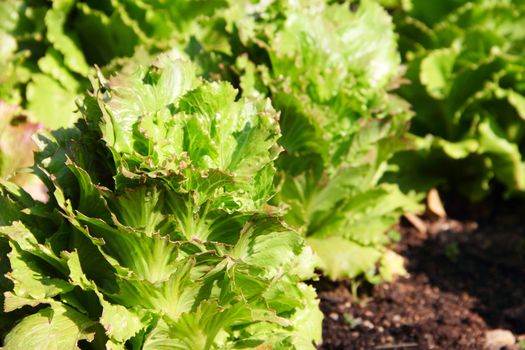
(465, 277)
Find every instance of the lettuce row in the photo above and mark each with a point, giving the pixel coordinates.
(340, 124)
(329, 69)
(150, 244)
(464, 61)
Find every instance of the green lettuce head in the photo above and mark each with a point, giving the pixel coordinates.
(329, 68)
(466, 69)
(157, 233)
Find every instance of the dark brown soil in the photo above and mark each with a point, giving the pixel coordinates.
(465, 278)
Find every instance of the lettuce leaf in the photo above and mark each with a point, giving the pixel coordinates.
(16, 150)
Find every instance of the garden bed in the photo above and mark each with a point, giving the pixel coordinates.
(465, 278)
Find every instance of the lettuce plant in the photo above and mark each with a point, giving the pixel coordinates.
(157, 233)
(465, 65)
(329, 69)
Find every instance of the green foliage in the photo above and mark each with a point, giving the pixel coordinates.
(155, 235)
(328, 69)
(47, 48)
(465, 63)
(340, 125)
(161, 229)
